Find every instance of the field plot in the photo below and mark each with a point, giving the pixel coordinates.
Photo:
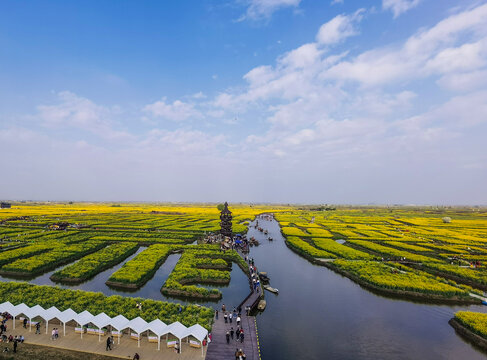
(417, 252)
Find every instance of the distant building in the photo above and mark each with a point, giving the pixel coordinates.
(5, 205)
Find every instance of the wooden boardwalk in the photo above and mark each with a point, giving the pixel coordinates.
(125, 350)
(218, 349)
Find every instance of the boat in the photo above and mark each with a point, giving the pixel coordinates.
(271, 289)
(265, 232)
(270, 239)
(261, 305)
(263, 276)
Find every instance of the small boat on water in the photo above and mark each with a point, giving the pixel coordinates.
(271, 289)
(265, 232)
(264, 277)
(262, 304)
(270, 239)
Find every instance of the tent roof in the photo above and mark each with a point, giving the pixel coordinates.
(6, 306)
(177, 329)
(119, 322)
(67, 315)
(198, 331)
(84, 318)
(138, 325)
(51, 313)
(157, 327)
(101, 320)
(34, 311)
(19, 309)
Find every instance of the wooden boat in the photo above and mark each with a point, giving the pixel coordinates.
(262, 304)
(270, 239)
(271, 289)
(263, 276)
(265, 232)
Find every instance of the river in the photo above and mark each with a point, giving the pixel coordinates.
(319, 314)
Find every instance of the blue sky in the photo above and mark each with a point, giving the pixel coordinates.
(379, 101)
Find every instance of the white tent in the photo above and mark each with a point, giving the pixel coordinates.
(65, 316)
(51, 313)
(17, 310)
(6, 307)
(199, 332)
(138, 325)
(33, 312)
(178, 330)
(84, 318)
(120, 323)
(100, 321)
(157, 327)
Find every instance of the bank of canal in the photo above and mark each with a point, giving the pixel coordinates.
(319, 314)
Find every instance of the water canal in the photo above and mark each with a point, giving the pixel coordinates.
(319, 314)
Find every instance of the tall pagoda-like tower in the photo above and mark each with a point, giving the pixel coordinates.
(226, 221)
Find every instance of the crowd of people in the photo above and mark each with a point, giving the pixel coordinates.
(236, 334)
(14, 340)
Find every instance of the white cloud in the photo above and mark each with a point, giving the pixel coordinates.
(399, 6)
(334, 2)
(73, 111)
(339, 28)
(410, 61)
(262, 9)
(177, 111)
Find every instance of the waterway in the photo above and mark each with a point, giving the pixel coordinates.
(319, 314)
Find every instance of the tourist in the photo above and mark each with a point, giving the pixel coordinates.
(25, 323)
(223, 308)
(136, 357)
(230, 318)
(239, 309)
(216, 314)
(237, 333)
(109, 340)
(21, 338)
(225, 317)
(227, 335)
(231, 332)
(38, 327)
(53, 334)
(238, 320)
(56, 334)
(10, 338)
(15, 346)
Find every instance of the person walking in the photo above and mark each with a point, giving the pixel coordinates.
(38, 327)
(225, 317)
(108, 343)
(227, 335)
(15, 346)
(216, 314)
(25, 323)
(53, 334)
(238, 320)
(231, 332)
(241, 336)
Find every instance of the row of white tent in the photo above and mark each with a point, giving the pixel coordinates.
(102, 320)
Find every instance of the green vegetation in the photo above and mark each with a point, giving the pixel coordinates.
(140, 269)
(201, 267)
(52, 258)
(78, 300)
(306, 249)
(340, 250)
(92, 264)
(390, 276)
(474, 321)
